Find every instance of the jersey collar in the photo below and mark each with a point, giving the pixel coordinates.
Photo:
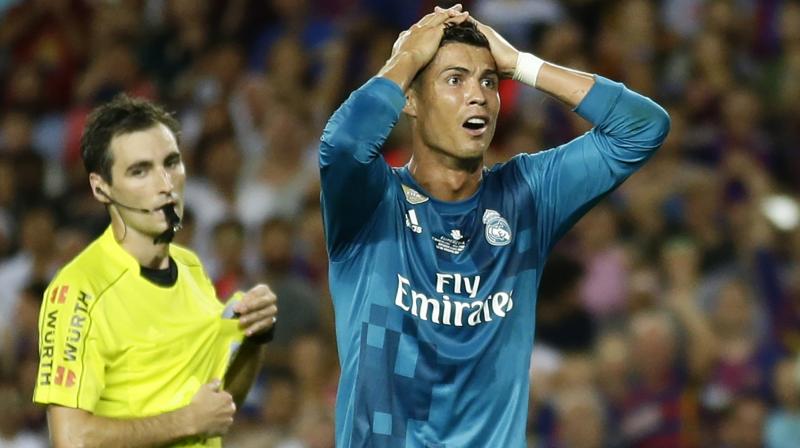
(443, 206)
(116, 254)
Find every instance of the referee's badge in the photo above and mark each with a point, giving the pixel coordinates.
(413, 196)
(498, 232)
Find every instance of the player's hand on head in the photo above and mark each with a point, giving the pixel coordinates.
(258, 310)
(421, 41)
(504, 54)
(211, 411)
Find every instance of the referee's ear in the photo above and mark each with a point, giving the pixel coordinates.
(99, 187)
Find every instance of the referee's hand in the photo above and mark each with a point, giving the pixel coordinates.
(211, 411)
(258, 310)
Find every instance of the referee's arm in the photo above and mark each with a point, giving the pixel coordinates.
(257, 312)
(210, 414)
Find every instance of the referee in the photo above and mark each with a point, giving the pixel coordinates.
(135, 349)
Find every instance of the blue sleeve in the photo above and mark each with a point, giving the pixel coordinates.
(568, 180)
(354, 176)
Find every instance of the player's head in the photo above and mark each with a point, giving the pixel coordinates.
(453, 101)
(130, 150)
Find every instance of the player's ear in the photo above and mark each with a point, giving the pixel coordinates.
(410, 108)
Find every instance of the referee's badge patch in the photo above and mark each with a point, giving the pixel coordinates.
(498, 232)
(413, 196)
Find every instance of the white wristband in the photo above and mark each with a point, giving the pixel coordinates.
(527, 69)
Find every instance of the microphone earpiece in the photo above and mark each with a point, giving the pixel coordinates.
(173, 219)
(119, 204)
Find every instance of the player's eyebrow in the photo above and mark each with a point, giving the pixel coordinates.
(457, 69)
(490, 72)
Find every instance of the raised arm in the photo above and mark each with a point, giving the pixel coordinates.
(568, 180)
(354, 176)
(569, 86)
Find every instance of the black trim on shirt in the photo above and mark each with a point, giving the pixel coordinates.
(162, 277)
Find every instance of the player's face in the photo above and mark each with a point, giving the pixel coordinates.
(456, 101)
(148, 173)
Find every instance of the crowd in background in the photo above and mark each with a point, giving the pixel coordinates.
(670, 315)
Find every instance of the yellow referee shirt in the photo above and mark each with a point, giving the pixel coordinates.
(116, 345)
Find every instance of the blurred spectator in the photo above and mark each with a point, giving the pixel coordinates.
(561, 322)
(581, 420)
(12, 431)
(212, 195)
(743, 425)
(34, 261)
(658, 410)
(298, 302)
(744, 358)
(176, 39)
(51, 34)
(275, 425)
(604, 286)
(312, 363)
(20, 342)
(228, 273)
(783, 424)
(7, 197)
(516, 21)
(286, 172)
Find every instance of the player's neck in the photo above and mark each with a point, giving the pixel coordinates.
(444, 177)
(140, 245)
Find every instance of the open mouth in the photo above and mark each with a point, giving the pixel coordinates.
(476, 125)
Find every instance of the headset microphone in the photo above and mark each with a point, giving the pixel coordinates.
(173, 220)
(119, 204)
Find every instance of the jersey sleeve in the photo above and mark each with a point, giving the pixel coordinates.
(568, 180)
(71, 361)
(354, 176)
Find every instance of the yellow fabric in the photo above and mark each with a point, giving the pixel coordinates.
(116, 345)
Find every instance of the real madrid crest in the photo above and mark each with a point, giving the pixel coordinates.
(498, 232)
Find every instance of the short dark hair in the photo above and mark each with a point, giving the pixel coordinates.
(121, 115)
(466, 32)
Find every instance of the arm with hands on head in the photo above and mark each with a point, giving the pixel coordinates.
(568, 180)
(353, 175)
(416, 46)
(257, 312)
(569, 86)
(210, 414)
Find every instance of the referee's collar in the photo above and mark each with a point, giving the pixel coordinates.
(116, 253)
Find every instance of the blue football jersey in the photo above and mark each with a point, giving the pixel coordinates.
(434, 300)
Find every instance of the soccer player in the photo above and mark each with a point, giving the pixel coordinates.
(434, 267)
(133, 341)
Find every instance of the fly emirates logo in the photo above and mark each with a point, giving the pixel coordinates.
(443, 310)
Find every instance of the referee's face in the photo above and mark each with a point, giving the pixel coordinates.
(455, 101)
(147, 173)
